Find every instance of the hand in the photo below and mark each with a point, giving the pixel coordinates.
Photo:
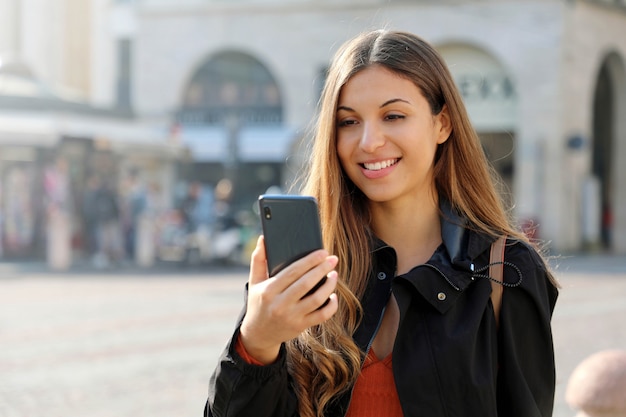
(277, 311)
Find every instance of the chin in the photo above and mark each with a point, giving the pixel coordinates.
(379, 196)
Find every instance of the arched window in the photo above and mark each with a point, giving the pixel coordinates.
(609, 150)
(231, 83)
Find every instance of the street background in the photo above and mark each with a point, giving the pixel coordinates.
(143, 131)
(136, 136)
(131, 342)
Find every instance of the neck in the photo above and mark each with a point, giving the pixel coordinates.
(412, 228)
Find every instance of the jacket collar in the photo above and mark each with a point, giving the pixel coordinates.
(456, 256)
(462, 244)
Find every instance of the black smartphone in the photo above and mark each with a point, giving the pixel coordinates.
(291, 228)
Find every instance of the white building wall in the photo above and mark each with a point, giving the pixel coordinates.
(68, 44)
(592, 33)
(74, 65)
(110, 22)
(40, 47)
(296, 43)
(49, 37)
(9, 30)
(543, 46)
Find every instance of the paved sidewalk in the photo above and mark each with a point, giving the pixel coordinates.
(589, 317)
(112, 345)
(132, 342)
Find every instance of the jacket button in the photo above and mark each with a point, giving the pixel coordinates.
(441, 296)
(382, 276)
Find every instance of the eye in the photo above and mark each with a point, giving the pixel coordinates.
(346, 122)
(394, 116)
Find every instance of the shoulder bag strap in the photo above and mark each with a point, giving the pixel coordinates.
(496, 271)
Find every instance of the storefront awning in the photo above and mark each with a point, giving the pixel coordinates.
(254, 144)
(32, 114)
(120, 134)
(27, 129)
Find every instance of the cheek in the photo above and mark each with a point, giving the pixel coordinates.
(343, 152)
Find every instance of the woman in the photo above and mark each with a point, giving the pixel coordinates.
(409, 212)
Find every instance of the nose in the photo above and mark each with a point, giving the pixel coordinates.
(372, 138)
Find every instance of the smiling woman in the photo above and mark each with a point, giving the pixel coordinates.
(387, 137)
(409, 214)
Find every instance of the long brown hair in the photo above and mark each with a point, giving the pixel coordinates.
(324, 360)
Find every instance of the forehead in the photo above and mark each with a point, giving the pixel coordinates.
(378, 82)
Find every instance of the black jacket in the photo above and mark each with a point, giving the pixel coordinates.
(448, 358)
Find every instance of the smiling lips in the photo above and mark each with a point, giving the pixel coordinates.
(378, 169)
(377, 166)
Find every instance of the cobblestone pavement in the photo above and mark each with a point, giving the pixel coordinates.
(144, 344)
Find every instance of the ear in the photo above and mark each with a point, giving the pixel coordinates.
(443, 124)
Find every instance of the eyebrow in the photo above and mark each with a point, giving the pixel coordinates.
(394, 100)
(386, 103)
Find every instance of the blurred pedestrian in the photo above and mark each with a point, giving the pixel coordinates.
(189, 206)
(135, 204)
(108, 226)
(90, 215)
(59, 212)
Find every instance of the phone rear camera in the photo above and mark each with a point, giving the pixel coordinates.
(267, 213)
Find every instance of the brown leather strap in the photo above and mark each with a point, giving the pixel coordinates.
(496, 271)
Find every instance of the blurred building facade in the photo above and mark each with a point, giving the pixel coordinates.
(62, 121)
(544, 82)
(113, 85)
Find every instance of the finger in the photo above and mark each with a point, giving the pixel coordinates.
(299, 268)
(258, 264)
(312, 279)
(317, 299)
(323, 313)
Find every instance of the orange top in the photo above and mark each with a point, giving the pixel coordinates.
(374, 393)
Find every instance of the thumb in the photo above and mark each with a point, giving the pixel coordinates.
(258, 263)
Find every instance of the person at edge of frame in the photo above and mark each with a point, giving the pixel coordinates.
(409, 210)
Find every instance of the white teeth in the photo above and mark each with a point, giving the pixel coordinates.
(377, 166)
